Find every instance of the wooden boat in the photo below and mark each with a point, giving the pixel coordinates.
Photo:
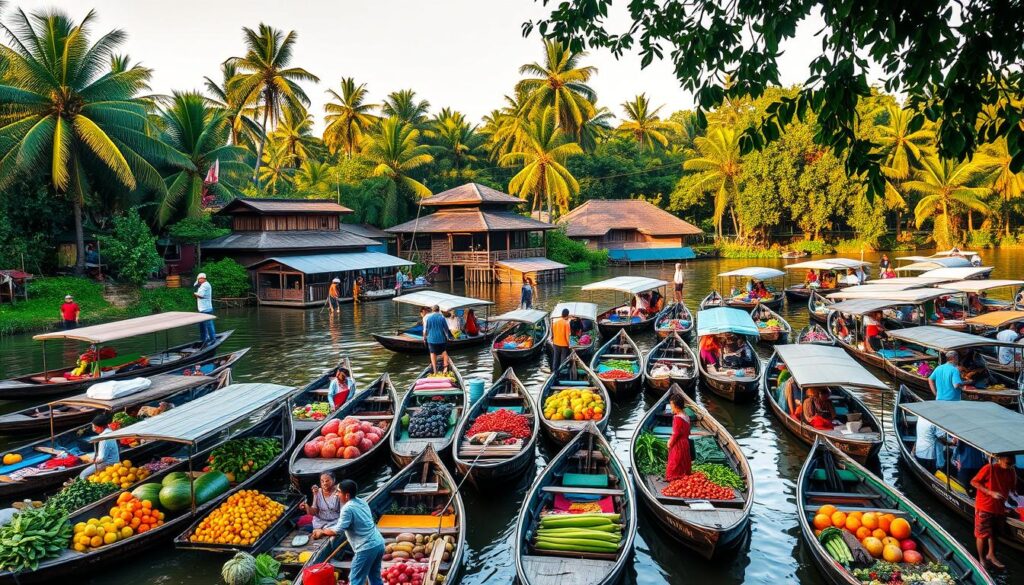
(587, 460)
(410, 339)
(316, 392)
(852, 315)
(724, 381)
(270, 536)
(943, 484)
(75, 410)
(191, 424)
(815, 334)
(829, 476)
(753, 274)
(822, 367)
(374, 405)
(711, 300)
(620, 347)
(989, 325)
(572, 374)
(524, 340)
(788, 254)
(676, 318)
(56, 382)
(423, 484)
(835, 267)
(798, 293)
(587, 314)
(674, 354)
(618, 318)
(818, 307)
(911, 306)
(404, 448)
(709, 532)
(492, 463)
(761, 314)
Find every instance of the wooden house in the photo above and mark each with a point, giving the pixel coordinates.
(632, 230)
(475, 234)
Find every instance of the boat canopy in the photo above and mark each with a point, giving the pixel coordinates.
(827, 264)
(725, 320)
(943, 339)
(913, 258)
(203, 417)
(919, 280)
(756, 272)
(128, 327)
(627, 284)
(161, 386)
(952, 252)
(984, 425)
(576, 309)
(934, 263)
(876, 286)
(862, 306)
(911, 296)
(447, 302)
(821, 365)
(997, 318)
(975, 286)
(958, 272)
(522, 316)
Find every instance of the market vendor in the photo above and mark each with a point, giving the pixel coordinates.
(325, 507)
(472, 326)
(342, 386)
(973, 369)
(357, 523)
(679, 453)
(874, 332)
(735, 353)
(945, 381)
(710, 351)
(818, 410)
(107, 452)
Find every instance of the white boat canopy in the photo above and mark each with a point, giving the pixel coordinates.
(522, 316)
(849, 262)
(203, 417)
(447, 302)
(934, 263)
(997, 318)
(908, 297)
(876, 286)
(129, 327)
(984, 425)
(161, 386)
(943, 339)
(948, 253)
(958, 272)
(913, 258)
(756, 272)
(627, 284)
(918, 280)
(862, 306)
(576, 309)
(975, 286)
(827, 264)
(821, 365)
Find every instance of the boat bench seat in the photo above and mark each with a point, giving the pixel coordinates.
(585, 480)
(558, 489)
(515, 409)
(849, 476)
(843, 495)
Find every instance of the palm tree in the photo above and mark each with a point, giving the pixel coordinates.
(561, 84)
(67, 116)
(505, 127)
(902, 150)
(348, 117)
(643, 124)
(716, 160)
(403, 105)
(453, 139)
(946, 185)
(395, 151)
(201, 132)
(1006, 183)
(244, 128)
(265, 81)
(595, 128)
(295, 132)
(278, 167)
(542, 154)
(315, 178)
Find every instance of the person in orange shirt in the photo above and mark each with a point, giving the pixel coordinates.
(334, 295)
(994, 482)
(560, 340)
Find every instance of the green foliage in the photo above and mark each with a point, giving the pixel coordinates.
(131, 248)
(228, 278)
(981, 239)
(30, 220)
(574, 254)
(814, 247)
(163, 299)
(853, 247)
(746, 250)
(193, 230)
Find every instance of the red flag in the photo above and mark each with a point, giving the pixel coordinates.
(213, 175)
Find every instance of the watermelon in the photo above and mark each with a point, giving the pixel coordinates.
(176, 496)
(210, 485)
(148, 491)
(175, 476)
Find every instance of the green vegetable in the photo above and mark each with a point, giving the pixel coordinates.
(267, 567)
(242, 457)
(124, 419)
(240, 570)
(576, 545)
(605, 528)
(722, 475)
(79, 494)
(32, 536)
(651, 454)
(210, 485)
(832, 539)
(579, 533)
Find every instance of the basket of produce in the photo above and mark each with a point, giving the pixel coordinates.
(574, 405)
(246, 520)
(345, 439)
(314, 411)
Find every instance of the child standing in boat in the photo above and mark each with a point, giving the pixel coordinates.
(679, 462)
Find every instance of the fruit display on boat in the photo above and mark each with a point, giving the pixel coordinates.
(432, 420)
(312, 411)
(79, 493)
(241, 519)
(574, 405)
(12, 458)
(409, 547)
(346, 438)
(514, 342)
(123, 474)
(31, 536)
(617, 369)
(505, 421)
(240, 458)
(128, 517)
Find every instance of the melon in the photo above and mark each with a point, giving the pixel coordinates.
(328, 451)
(351, 452)
(210, 485)
(330, 427)
(175, 476)
(148, 491)
(311, 449)
(176, 496)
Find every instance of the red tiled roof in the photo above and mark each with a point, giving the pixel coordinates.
(271, 206)
(469, 220)
(595, 217)
(470, 194)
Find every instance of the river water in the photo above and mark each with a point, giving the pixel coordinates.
(291, 347)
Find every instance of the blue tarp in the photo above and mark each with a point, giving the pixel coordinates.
(652, 254)
(725, 320)
(337, 262)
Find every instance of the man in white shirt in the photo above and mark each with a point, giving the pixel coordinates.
(929, 438)
(204, 304)
(1011, 334)
(851, 278)
(107, 452)
(677, 281)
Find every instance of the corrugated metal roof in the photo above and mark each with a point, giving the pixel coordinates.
(576, 309)
(974, 286)
(986, 426)
(652, 254)
(470, 194)
(944, 339)
(725, 320)
(959, 272)
(317, 206)
(595, 217)
(128, 327)
(820, 365)
(935, 263)
(908, 296)
(522, 316)
(862, 306)
(469, 221)
(337, 262)
(531, 264)
(289, 240)
(365, 230)
(161, 386)
(827, 264)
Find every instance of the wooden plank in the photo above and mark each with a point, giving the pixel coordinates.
(843, 495)
(555, 489)
(556, 569)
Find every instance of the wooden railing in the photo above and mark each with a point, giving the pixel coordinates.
(479, 258)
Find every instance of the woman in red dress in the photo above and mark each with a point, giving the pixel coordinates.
(678, 464)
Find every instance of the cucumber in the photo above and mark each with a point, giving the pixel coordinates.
(612, 546)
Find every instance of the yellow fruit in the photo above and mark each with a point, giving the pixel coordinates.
(126, 531)
(96, 541)
(873, 546)
(304, 556)
(90, 529)
(80, 527)
(109, 538)
(79, 547)
(892, 554)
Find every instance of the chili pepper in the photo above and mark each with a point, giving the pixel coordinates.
(501, 420)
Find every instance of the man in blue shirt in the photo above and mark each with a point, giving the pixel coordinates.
(360, 529)
(945, 381)
(436, 335)
(107, 454)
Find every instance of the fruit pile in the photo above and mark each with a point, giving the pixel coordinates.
(345, 439)
(239, 458)
(312, 411)
(130, 516)
(502, 421)
(241, 519)
(430, 421)
(404, 573)
(574, 405)
(417, 547)
(514, 342)
(884, 536)
(12, 458)
(698, 487)
(122, 474)
(772, 323)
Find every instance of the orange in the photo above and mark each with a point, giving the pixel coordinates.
(827, 509)
(869, 520)
(885, 522)
(856, 514)
(879, 534)
(892, 554)
(900, 529)
(852, 524)
(873, 546)
(143, 528)
(863, 532)
(839, 519)
(890, 541)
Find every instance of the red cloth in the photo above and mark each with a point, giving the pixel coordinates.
(679, 462)
(997, 479)
(341, 397)
(564, 504)
(472, 327)
(69, 311)
(820, 422)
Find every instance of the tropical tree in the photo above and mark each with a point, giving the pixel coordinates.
(191, 126)
(244, 128)
(505, 127)
(717, 164)
(295, 133)
(396, 152)
(902, 146)
(455, 140)
(595, 128)
(560, 83)
(67, 116)
(1005, 183)
(542, 154)
(265, 81)
(348, 118)
(314, 178)
(946, 186)
(643, 124)
(277, 168)
(404, 105)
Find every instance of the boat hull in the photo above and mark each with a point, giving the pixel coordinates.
(405, 452)
(404, 344)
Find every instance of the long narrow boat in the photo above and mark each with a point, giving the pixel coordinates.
(573, 375)
(410, 339)
(818, 307)
(912, 306)
(586, 467)
(736, 384)
(193, 424)
(423, 484)
(76, 410)
(846, 325)
(405, 448)
(829, 476)
(822, 367)
(619, 365)
(486, 464)
(815, 334)
(618, 318)
(374, 405)
(524, 340)
(711, 300)
(989, 325)
(709, 527)
(772, 328)
(586, 343)
(836, 267)
(943, 484)
(676, 318)
(37, 472)
(670, 362)
(270, 536)
(753, 274)
(315, 393)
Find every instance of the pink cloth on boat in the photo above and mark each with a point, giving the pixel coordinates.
(564, 504)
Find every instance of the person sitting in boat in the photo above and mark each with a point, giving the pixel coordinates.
(736, 354)
(889, 273)
(930, 447)
(342, 386)
(792, 396)
(107, 453)
(325, 507)
(641, 305)
(657, 302)
(1012, 334)
(842, 330)
(710, 351)
(851, 278)
(472, 326)
(884, 263)
(974, 304)
(818, 410)
(874, 332)
(454, 323)
(975, 260)
(811, 279)
(973, 369)
(828, 279)
(759, 291)
(679, 463)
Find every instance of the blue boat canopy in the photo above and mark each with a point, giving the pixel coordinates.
(337, 262)
(725, 320)
(651, 254)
